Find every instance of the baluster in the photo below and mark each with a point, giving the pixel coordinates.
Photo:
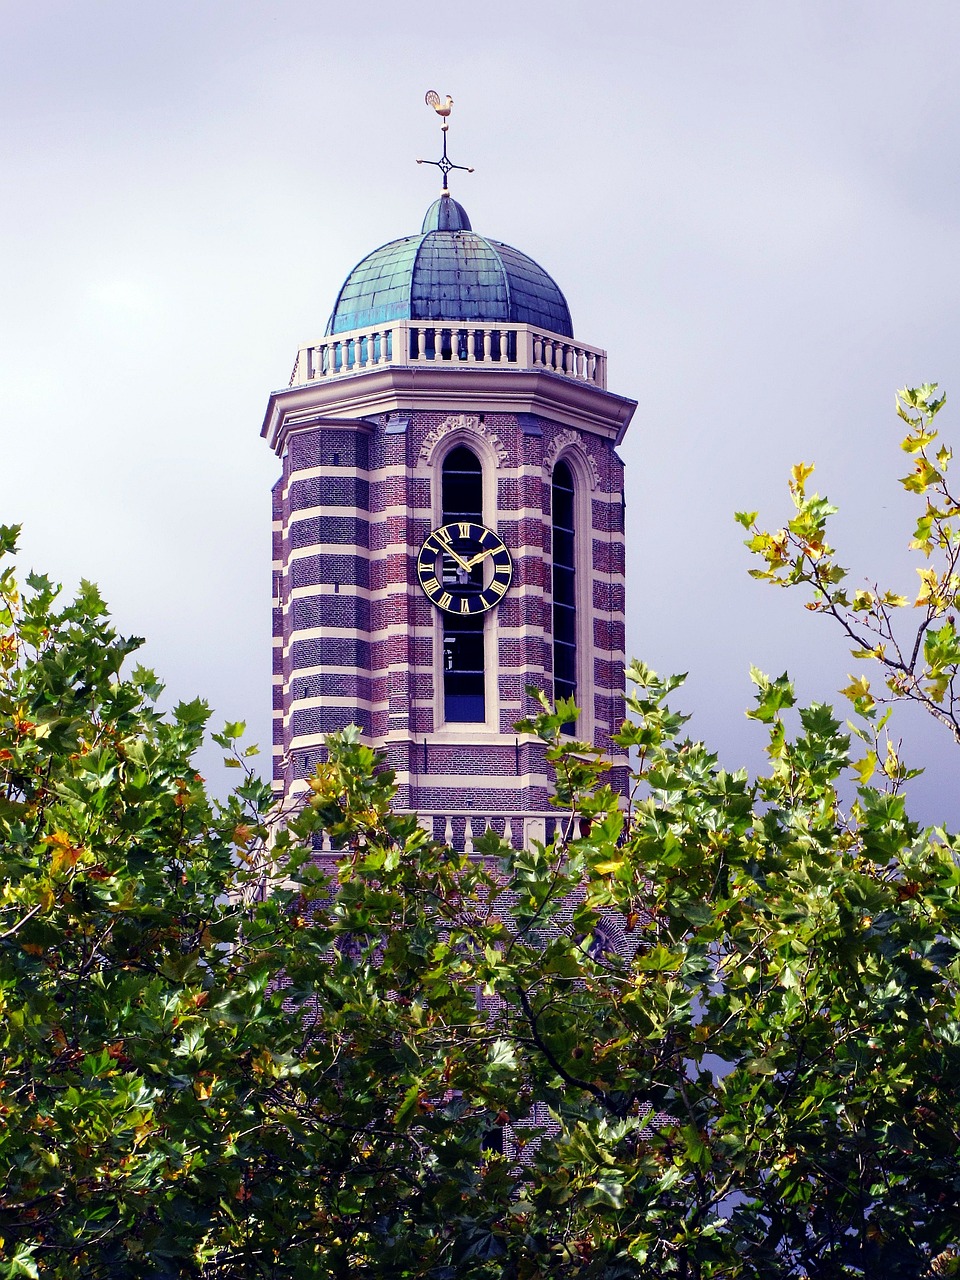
(421, 343)
(537, 349)
(471, 344)
(579, 367)
(438, 344)
(487, 344)
(575, 831)
(548, 353)
(325, 845)
(508, 829)
(448, 831)
(468, 835)
(567, 358)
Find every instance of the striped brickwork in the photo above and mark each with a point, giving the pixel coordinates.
(355, 639)
(357, 642)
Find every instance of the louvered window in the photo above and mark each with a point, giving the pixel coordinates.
(564, 585)
(463, 649)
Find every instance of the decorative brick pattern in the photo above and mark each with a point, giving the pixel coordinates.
(357, 642)
(329, 491)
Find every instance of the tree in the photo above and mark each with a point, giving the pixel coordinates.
(712, 1034)
(211, 1063)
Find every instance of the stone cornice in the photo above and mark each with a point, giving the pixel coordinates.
(390, 389)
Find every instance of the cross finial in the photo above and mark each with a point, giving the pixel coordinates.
(443, 107)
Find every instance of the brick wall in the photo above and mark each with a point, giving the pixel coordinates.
(356, 641)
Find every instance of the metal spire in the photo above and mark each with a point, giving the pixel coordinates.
(443, 107)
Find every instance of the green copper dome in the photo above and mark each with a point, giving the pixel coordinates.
(449, 273)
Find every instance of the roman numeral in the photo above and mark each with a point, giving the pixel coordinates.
(498, 588)
(464, 529)
(443, 535)
(430, 585)
(464, 605)
(445, 600)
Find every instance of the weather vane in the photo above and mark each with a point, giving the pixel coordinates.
(443, 107)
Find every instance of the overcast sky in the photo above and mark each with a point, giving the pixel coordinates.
(752, 206)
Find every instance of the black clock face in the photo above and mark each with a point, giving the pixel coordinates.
(464, 568)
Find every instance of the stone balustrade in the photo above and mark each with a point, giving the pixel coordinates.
(409, 342)
(462, 828)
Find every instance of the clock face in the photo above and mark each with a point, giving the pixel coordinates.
(464, 568)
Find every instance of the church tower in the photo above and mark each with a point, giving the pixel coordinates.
(448, 528)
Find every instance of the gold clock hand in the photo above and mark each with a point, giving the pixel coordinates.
(447, 550)
(475, 560)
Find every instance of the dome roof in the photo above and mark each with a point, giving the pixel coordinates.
(449, 273)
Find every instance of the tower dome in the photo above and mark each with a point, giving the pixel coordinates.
(449, 273)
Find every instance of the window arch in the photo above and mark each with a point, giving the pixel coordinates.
(464, 678)
(461, 486)
(563, 507)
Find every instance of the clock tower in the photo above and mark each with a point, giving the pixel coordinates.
(448, 529)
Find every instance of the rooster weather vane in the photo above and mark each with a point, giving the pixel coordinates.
(443, 107)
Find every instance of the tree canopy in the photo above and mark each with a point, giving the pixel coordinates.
(711, 1032)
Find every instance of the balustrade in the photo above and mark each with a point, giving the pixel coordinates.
(407, 342)
(461, 829)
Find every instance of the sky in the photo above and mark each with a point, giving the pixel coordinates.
(752, 206)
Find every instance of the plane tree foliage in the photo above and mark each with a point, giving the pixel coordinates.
(915, 642)
(714, 1033)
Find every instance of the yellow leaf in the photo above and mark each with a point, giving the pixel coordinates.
(928, 587)
(608, 868)
(64, 854)
(866, 767)
(858, 691)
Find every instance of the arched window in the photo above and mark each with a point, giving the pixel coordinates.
(564, 586)
(461, 497)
